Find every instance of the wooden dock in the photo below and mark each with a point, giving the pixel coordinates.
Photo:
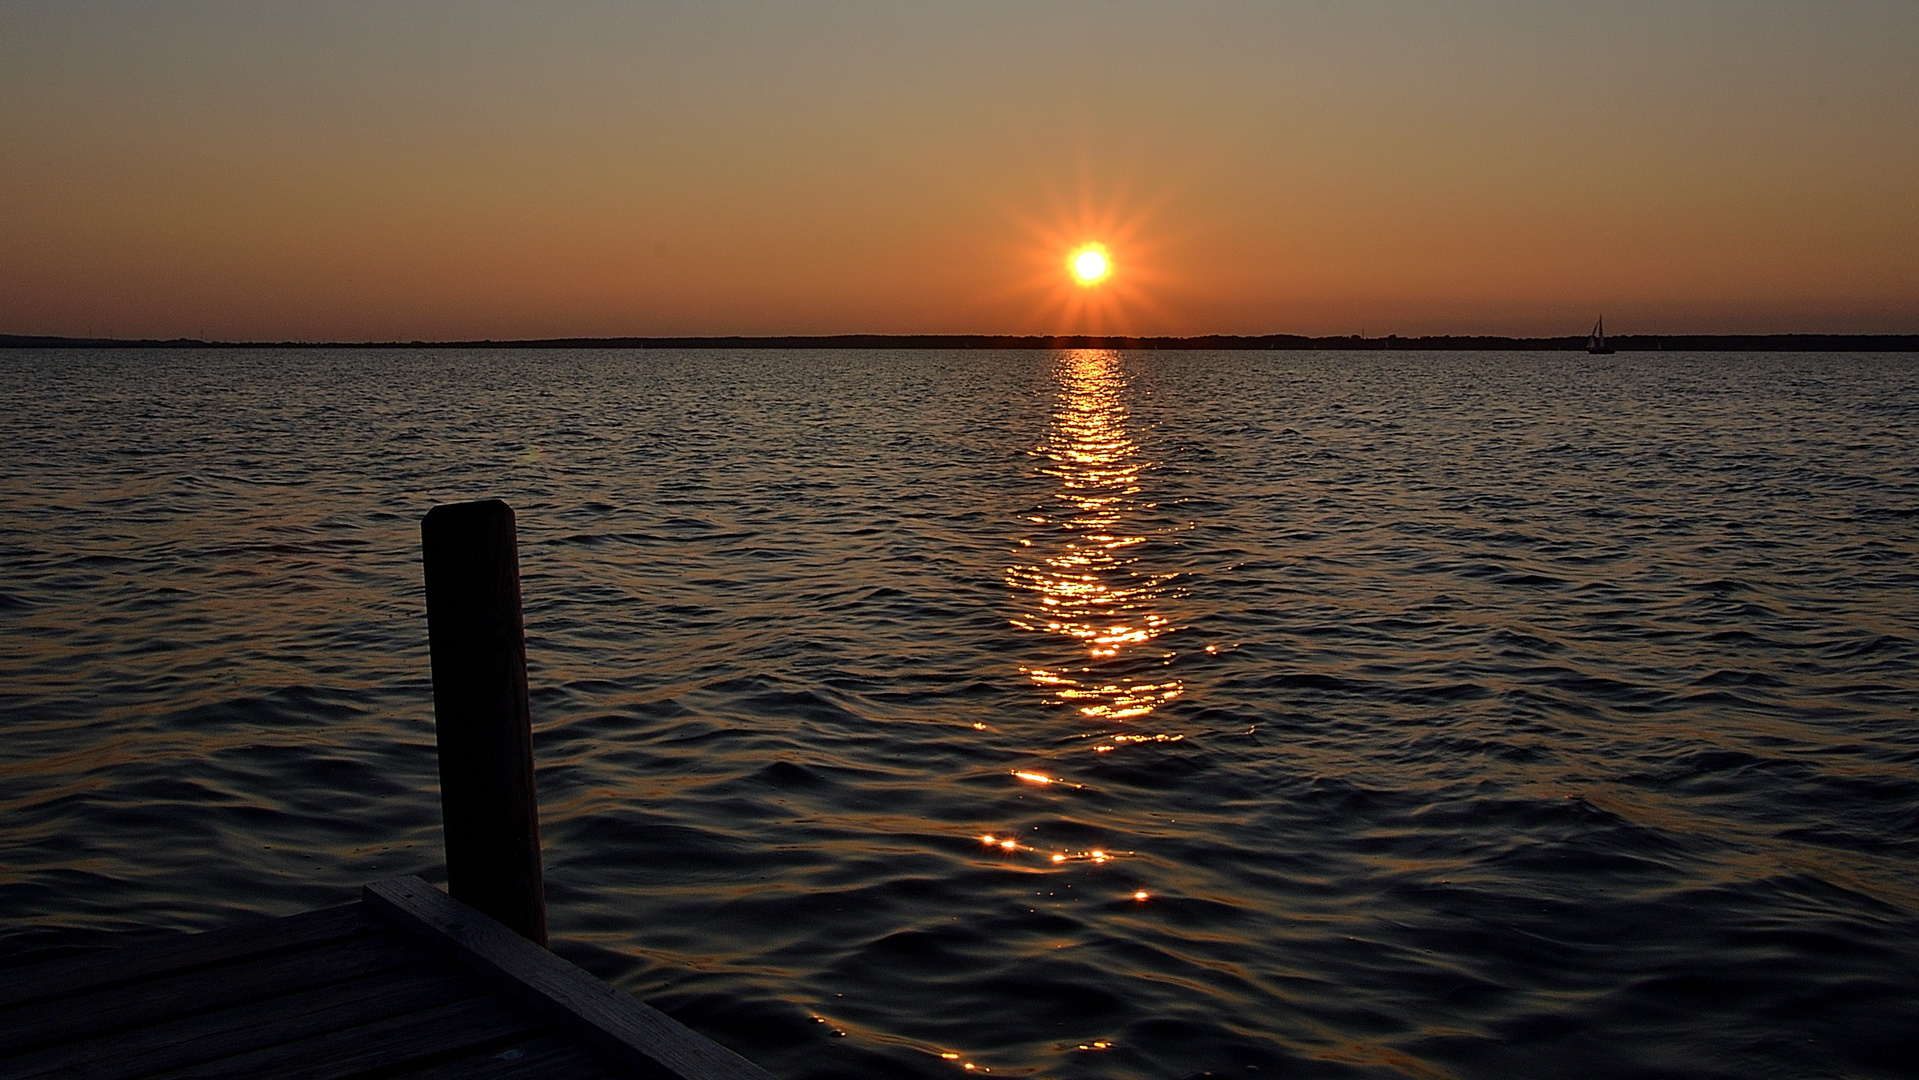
(407, 983)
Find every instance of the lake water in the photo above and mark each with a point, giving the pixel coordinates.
(1078, 714)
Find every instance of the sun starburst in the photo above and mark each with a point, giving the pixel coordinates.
(1093, 266)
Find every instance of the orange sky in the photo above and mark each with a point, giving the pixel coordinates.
(431, 170)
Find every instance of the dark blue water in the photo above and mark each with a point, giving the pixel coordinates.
(1057, 714)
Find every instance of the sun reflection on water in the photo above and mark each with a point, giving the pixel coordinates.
(1086, 577)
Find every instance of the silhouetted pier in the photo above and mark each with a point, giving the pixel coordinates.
(409, 983)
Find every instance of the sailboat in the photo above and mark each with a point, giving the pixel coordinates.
(1596, 341)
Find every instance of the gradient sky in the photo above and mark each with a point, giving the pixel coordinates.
(463, 170)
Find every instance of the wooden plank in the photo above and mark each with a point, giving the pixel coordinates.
(635, 1033)
(204, 989)
(251, 1026)
(113, 967)
(390, 1045)
(562, 1056)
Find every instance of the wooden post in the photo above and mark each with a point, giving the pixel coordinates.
(484, 725)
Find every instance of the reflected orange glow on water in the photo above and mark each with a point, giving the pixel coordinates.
(1086, 580)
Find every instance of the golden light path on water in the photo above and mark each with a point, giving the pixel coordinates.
(1087, 580)
(1085, 587)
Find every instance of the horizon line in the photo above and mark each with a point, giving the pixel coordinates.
(1793, 342)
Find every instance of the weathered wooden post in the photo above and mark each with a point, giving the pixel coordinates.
(482, 719)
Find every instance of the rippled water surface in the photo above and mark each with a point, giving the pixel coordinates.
(1055, 714)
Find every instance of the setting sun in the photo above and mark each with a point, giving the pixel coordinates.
(1090, 265)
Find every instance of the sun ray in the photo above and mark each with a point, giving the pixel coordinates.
(1119, 297)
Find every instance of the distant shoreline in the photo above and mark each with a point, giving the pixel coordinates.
(1210, 342)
